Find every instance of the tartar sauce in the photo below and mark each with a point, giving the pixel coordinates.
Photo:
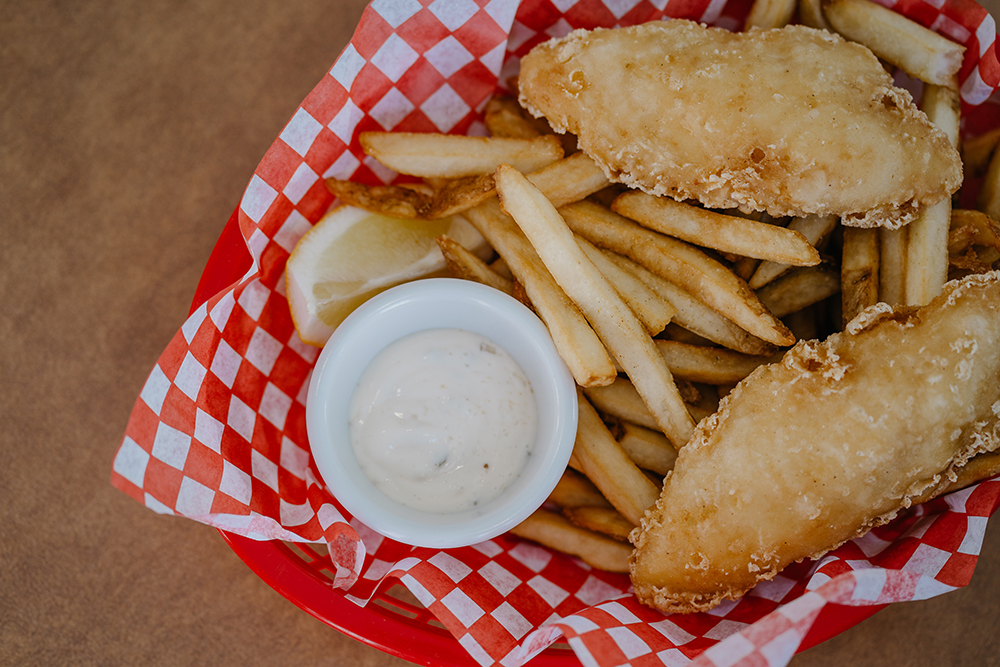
(443, 420)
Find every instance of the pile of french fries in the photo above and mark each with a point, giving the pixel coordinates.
(660, 307)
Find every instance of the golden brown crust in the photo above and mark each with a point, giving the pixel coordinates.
(793, 121)
(813, 451)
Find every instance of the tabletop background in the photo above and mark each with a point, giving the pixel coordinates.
(128, 131)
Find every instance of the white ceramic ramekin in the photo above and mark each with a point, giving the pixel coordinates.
(432, 304)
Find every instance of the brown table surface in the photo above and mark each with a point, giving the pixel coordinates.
(128, 131)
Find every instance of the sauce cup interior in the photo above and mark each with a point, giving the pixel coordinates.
(432, 304)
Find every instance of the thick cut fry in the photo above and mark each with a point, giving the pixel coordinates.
(600, 520)
(647, 448)
(770, 14)
(727, 233)
(693, 315)
(858, 271)
(454, 156)
(466, 265)
(680, 263)
(599, 456)
(570, 179)
(709, 365)
(652, 310)
(556, 532)
(614, 322)
(927, 244)
(574, 490)
(815, 228)
(892, 265)
(575, 340)
(800, 288)
(505, 118)
(918, 51)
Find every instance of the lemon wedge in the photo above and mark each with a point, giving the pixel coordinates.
(352, 254)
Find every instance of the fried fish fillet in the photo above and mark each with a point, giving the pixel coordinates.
(810, 452)
(791, 121)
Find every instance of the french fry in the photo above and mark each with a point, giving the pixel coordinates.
(460, 194)
(960, 238)
(859, 268)
(988, 199)
(391, 200)
(678, 333)
(599, 456)
(918, 51)
(501, 268)
(977, 151)
(962, 265)
(927, 254)
(600, 520)
(647, 448)
(464, 264)
(708, 365)
(653, 311)
(804, 322)
(568, 180)
(693, 315)
(726, 233)
(680, 263)
(892, 265)
(573, 337)
(504, 118)
(745, 267)
(927, 243)
(621, 401)
(574, 490)
(557, 532)
(770, 14)
(615, 324)
(811, 14)
(814, 228)
(454, 156)
(800, 288)
(986, 231)
(708, 403)
(403, 201)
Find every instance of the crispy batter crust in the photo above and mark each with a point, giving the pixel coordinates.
(813, 451)
(792, 121)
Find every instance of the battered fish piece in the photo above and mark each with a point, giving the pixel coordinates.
(791, 121)
(835, 439)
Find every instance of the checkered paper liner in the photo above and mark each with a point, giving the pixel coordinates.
(218, 432)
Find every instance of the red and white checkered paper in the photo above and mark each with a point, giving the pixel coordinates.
(218, 432)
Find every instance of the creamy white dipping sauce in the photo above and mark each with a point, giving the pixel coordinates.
(443, 420)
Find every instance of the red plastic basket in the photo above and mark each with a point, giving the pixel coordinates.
(393, 621)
